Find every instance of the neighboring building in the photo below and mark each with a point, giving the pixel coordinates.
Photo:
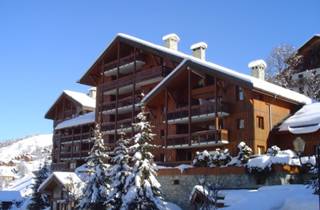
(62, 188)
(310, 52)
(193, 104)
(305, 124)
(73, 116)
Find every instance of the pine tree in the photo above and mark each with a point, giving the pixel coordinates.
(119, 173)
(98, 187)
(142, 187)
(39, 200)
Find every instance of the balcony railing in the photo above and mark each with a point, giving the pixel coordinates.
(198, 110)
(60, 166)
(122, 61)
(121, 103)
(198, 138)
(140, 76)
(112, 125)
(74, 137)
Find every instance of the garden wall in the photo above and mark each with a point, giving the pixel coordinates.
(177, 185)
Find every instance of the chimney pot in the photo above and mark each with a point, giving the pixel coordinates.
(92, 92)
(199, 50)
(171, 41)
(258, 68)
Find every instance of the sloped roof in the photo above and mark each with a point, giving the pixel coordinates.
(80, 120)
(305, 120)
(309, 42)
(180, 56)
(81, 98)
(64, 178)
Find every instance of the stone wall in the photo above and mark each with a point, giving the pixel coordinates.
(177, 185)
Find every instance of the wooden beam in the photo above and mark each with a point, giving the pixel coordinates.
(189, 105)
(117, 93)
(166, 117)
(133, 92)
(216, 107)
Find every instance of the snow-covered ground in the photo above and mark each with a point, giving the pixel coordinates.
(20, 159)
(279, 197)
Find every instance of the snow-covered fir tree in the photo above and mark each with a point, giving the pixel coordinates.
(142, 187)
(39, 200)
(97, 188)
(214, 158)
(119, 173)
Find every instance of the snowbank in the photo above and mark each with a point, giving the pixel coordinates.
(281, 197)
(80, 120)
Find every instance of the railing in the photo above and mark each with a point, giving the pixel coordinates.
(122, 61)
(121, 103)
(120, 124)
(198, 110)
(199, 137)
(140, 76)
(75, 137)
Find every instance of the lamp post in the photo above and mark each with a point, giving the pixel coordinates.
(299, 145)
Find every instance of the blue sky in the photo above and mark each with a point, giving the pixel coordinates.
(46, 46)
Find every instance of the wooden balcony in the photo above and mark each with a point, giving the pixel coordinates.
(72, 155)
(121, 124)
(198, 110)
(127, 101)
(75, 137)
(200, 138)
(141, 76)
(111, 67)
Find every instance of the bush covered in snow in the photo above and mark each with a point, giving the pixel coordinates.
(214, 158)
(243, 155)
(273, 151)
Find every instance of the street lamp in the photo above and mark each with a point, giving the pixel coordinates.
(299, 145)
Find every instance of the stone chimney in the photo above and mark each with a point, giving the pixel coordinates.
(258, 68)
(92, 92)
(199, 50)
(171, 41)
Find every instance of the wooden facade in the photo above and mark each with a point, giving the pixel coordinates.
(72, 144)
(198, 108)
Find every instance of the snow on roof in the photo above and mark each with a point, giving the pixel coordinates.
(80, 120)
(306, 120)
(257, 83)
(257, 63)
(82, 98)
(199, 45)
(12, 196)
(65, 178)
(172, 36)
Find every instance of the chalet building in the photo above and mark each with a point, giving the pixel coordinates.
(73, 116)
(304, 124)
(193, 104)
(310, 52)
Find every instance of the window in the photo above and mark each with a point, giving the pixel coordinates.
(240, 123)
(161, 133)
(176, 181)
(260, 122)
(239, 93)
(300, 76)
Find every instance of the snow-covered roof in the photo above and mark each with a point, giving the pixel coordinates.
(80, 120)
(65, 178)
(257, 83)
(82, 98)
(306, 120)
(171, 36)
(12, 196)
(255, 63)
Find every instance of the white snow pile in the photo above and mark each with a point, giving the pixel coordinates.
(276, 156)
(306, 120)
(278, 197)
(34, 147)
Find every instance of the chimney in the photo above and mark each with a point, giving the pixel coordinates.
(199, 50)
(92, 92)
(258, 68)
(171, 41)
